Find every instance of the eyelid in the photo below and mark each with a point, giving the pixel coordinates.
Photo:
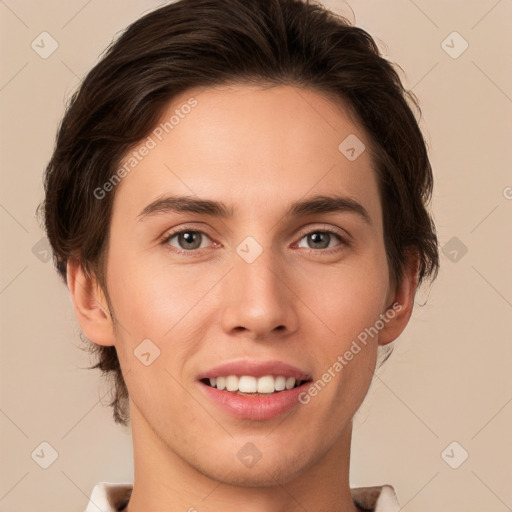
(344, 235)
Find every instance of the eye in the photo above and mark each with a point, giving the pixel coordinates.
(187, 240)
(321, 239)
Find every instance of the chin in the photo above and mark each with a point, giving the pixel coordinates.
(269, 475)
(272, 467)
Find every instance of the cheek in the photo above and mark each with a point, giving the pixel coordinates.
(155, 303)
(142, 292)
(159, 301)
(347, 298)
(349, 303)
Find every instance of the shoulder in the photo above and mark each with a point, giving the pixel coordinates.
(109, 496)
(380, 498)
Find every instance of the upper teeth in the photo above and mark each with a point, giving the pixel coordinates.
(249, 384)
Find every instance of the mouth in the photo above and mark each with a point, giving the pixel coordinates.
(248, 385)
(256, 399)
(255, 390)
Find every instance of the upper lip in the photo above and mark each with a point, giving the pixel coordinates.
(255, 369)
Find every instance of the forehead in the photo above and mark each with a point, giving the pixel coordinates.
(250, 145)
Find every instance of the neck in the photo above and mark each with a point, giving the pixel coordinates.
(165, 481)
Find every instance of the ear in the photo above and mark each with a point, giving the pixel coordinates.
(400, 301)
(90, 304)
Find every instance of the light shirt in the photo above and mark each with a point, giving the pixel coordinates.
(111, 497)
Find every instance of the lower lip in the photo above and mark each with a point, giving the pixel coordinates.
(255, 407)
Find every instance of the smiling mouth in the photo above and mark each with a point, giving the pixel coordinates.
(252, 386)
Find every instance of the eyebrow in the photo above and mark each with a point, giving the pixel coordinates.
(312, 205)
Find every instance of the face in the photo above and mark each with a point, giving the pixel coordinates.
(264, 283)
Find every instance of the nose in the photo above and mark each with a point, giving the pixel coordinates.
(258, 298)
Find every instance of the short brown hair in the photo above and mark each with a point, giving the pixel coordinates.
(193, 43)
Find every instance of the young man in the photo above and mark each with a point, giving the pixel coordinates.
(238, 203)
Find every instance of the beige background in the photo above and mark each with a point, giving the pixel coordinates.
(449, 378)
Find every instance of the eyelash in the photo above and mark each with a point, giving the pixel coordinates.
(196, 252)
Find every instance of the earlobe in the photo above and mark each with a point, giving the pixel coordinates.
(90, 305)
(401, 306)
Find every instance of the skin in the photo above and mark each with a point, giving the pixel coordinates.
(256, 149)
